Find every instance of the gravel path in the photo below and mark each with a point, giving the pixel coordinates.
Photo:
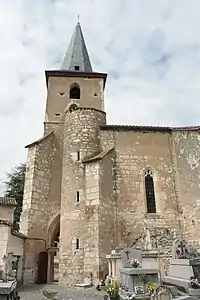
(34, 292)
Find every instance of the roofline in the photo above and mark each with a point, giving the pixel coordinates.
(65, 73)
(98, 156)
(135, 128)
(145, 128)
(18, 234)
(39, 140)
(7, 201)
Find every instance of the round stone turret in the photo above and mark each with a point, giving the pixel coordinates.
(80, 141)
(81, 132)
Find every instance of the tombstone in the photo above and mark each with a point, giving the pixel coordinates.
(180, 249)
(184, 265)
(8, 284)
(8, 271)
(128, 254)
(134, 279)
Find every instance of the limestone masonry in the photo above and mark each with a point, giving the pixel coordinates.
(91, 187)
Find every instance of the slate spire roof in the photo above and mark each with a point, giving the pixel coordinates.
(77, 58)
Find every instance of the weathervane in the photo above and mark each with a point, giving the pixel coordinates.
(78, 18)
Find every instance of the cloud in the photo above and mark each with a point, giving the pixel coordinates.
(150, 50)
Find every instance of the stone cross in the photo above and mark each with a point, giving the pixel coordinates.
(8, 260)
(127, 254)
(180, 249)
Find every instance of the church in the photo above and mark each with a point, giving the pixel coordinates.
(91, 187)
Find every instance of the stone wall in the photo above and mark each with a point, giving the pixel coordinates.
(15, 245)
(91, 236)
(107, 211)
(10, 241)
(4, 234)
(80, 142)
(38, 207)
(91, 95)
(135, 151)
(187, 147)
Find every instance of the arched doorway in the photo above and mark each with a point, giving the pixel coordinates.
(53, 249)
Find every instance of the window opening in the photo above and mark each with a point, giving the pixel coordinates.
(150, 193)
(77, 68)
(77, 244)
(77, 196)
(75, 92)
(78, 156)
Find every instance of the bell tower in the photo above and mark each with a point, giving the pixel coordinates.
(75, 98)
(75, 83)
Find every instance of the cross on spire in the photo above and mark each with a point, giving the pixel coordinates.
(77, 58)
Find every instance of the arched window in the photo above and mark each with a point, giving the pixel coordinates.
(150, 193)
(74, 91)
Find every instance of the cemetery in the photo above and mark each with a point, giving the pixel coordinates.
(133, 272)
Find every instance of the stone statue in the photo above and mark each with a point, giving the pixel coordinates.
(147, 240)
(8, 273)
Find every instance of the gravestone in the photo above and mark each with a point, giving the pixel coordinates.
(8, 283)
(128, 254)
(185, 264)
(8, 271)
(134, 279)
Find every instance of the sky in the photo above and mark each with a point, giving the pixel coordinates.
(149, 48)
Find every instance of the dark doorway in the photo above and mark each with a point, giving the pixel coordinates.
(42, 267)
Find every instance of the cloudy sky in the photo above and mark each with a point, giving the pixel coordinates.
(149, 48)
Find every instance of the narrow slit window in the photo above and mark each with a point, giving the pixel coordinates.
(77, 196)
(78, 155)
(77, 244)
(150, 192)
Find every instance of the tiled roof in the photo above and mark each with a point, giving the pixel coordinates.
(18, 234)
(39, 140)
(77, 54)
(148, 128)
(98, 156)
(5, 222)
(186, 128)
(8, 201)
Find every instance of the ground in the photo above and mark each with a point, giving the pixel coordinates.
(34, 292)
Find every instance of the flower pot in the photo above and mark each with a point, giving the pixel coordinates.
(114, 297)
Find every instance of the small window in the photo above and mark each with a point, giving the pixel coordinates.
(77, 68)
(57, 115)
(78, 156)
(77, 196)
(150, 193)
(77, 244)
(74, 91)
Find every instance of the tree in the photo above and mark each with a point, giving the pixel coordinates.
(15, 189)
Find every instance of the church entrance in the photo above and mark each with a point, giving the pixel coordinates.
(53, 251)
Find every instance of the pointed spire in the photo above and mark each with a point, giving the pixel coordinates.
(77, 58)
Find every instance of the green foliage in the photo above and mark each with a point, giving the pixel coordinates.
(15, 189)
(112, 289)
(115, 288)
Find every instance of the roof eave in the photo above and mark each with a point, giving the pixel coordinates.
(65, 73)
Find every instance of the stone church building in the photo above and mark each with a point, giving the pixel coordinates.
(91, 187)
